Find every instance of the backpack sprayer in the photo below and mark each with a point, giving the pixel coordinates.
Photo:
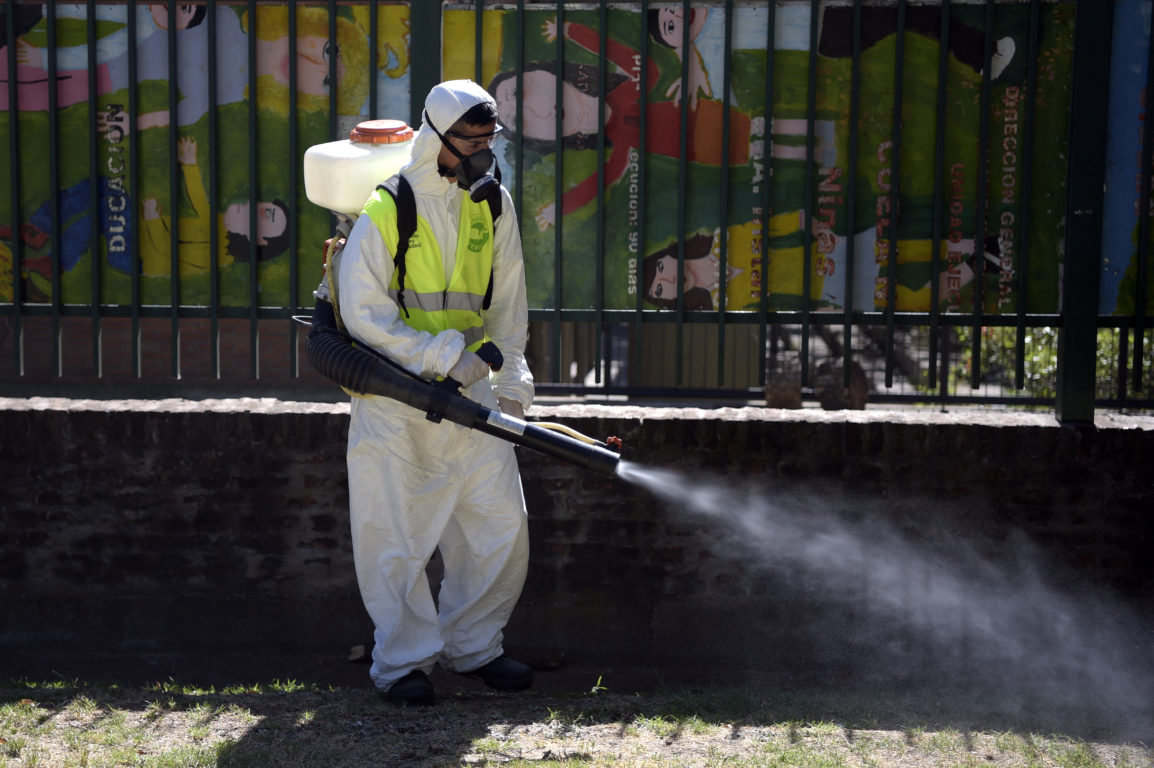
(340, 176)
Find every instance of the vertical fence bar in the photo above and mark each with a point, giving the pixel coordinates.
(14, 186)
(214, 200)
(294, 172)
(94, 190)
(1142, 256)
(979, 304)
(766, 155)
(939, 185)
(174, 179)
(254, 181)
(895, 192)
(374, 55)
(809, 193)
(642, 146)
(425, 35)
(1123, 363)
(134, 189)
(682, 197)
(941, 336)
(851, 196)
(1021, 278)
(518, 104)
(599, 290)
(723, 203)
(254, 186)
(54, 192)
(519, 133)
(1078, 339)
(334, 60)
(558, 190)
(478, 39)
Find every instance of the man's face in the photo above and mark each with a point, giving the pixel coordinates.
(466, 139)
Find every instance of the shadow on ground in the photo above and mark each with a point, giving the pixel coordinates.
(332, 716)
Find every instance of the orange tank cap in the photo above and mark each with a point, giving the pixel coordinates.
(381, 132)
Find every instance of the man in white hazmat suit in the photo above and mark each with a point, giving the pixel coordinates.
(416, 485)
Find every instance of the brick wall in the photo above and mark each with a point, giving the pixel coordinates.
(215, 525)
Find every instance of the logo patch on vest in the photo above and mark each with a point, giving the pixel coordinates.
(478, 235)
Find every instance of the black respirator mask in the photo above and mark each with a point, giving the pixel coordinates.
(473, 172)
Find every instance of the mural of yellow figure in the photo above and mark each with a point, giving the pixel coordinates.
(193, 231)
(314, 54)
(393, 27)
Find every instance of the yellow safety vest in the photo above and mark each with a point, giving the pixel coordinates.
(430, 304)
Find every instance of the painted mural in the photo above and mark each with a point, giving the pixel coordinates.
(759, 158)
(684, 219)
(177, 245)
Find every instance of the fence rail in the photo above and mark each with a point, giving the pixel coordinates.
(781, 202)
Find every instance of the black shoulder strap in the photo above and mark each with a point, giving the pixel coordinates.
(402, 193)
(495, 202)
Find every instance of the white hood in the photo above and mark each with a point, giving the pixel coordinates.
(444, 105)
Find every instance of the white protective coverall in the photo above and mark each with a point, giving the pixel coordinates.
(415, 485)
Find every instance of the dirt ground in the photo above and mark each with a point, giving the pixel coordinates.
(862, 698)
(570, 716)
(595, 717)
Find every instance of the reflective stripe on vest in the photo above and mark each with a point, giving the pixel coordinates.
(432, 305)
(434, 301)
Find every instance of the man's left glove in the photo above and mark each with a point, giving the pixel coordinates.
(469, 369)
(511, 408)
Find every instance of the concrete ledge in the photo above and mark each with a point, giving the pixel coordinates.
(974, 416)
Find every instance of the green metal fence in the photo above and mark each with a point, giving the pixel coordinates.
(895, 93)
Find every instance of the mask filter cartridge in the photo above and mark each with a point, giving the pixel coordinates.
(473, 175)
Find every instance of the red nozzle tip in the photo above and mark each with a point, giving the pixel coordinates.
(614, 443)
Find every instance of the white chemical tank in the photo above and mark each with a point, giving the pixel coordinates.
(341, 175)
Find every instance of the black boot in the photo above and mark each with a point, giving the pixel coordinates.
(504, 674)
(414, 689)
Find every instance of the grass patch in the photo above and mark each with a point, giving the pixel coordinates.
(171, 725)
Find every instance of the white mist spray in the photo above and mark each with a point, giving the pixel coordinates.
(985, 602)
